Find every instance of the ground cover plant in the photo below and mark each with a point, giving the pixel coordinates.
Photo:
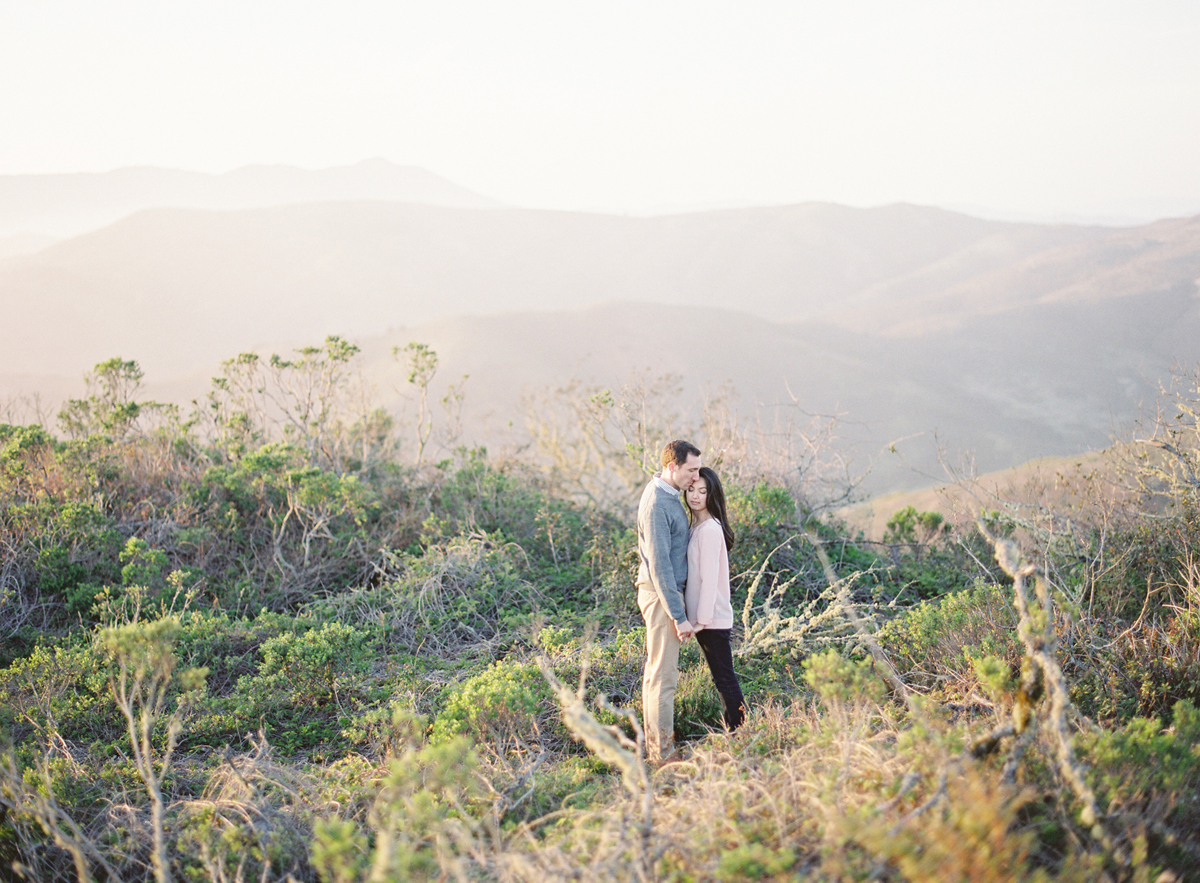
(286, 636)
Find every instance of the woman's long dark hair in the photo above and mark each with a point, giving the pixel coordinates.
(715, 502)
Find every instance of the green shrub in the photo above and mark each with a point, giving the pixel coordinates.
(412, 817)
(912, 527)
(339, 850)
(762, 517)
(142, 565)
(292, 528)
(1141, 669)
(67, 547)
(754, 861)
(306, 685)
(446, 601)
(509, 703)
(86, 788)
(302, 669)
(932, 644)
(838, 680)
(230, 647)
(573, 781)
(57, 573)
(65, 687)
(18, 444)
(614, 564)
(937, 572)
(1141, 761)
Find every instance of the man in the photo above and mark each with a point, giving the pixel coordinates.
(662, 534)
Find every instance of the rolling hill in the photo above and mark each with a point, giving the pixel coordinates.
(1010, 340)
(184, 287)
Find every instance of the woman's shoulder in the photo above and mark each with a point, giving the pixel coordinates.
(708, 526)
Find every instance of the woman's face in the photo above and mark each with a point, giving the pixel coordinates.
(697, 495)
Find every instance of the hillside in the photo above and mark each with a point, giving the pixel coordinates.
(1047, 379)
(269, 648)
(960, 500)
(1151, 259)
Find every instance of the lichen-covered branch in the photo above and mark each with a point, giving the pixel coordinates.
(1042, 680)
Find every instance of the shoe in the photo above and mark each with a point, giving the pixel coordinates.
(673, 757)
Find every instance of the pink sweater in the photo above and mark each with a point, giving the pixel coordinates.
(707, 593)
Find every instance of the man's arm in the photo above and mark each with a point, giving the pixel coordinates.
(662, 573)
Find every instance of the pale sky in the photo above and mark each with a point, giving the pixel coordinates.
(1045, 108)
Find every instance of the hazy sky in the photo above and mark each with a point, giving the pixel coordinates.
(1041, 107)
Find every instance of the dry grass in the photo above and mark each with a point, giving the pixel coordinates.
(830, 792)
(842, 786)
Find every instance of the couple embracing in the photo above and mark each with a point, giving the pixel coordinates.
(683, 589)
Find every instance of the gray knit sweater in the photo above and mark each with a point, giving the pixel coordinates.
(662, 535)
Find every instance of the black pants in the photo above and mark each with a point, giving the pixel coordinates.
(715, 645)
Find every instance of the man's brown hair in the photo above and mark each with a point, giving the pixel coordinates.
(677, 452)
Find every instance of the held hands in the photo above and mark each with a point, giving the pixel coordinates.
(684, 630)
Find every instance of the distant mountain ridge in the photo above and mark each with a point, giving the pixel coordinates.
(184, 287)
(1157, 257)
(22, 243)
(70, 204)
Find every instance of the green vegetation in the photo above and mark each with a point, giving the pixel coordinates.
(277, 639)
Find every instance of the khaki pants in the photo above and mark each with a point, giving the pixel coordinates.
(660, 676)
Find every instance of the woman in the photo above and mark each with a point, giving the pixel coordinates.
(707, 595)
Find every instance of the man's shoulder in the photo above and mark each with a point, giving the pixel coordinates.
(654, 497)
(653, 492)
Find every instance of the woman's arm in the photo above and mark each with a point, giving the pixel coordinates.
(710, 543)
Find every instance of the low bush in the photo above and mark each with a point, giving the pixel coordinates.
(453, 598)
(63, 689)
(932, 643)
(508, 706)
(301, 692)
(1148, 777)
(1119, 671)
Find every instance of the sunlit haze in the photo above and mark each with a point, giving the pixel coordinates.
(1079, 109)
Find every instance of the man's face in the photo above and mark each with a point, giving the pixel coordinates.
(683, 474)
